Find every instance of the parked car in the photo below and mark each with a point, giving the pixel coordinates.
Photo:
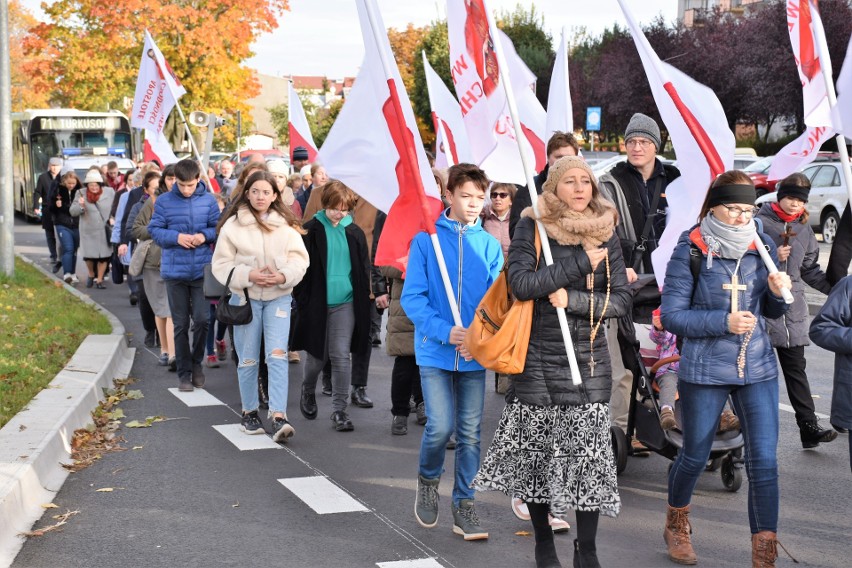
(267, 155)
(81, 164)
(758, 172)
(827, 199)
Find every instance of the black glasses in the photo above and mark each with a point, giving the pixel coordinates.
(736, 212)
(501, 195)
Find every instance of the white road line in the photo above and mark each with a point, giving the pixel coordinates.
(245, 442)
(322, 495)
(788, 408)
(417, 563)
(198, 397)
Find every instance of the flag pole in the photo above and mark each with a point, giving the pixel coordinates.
(409, 160)
(564, 55)
(702, 139)
(182, 117)
(439, 124)
(827, 74)
(523, 145)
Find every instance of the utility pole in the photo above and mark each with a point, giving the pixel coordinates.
(7, 205)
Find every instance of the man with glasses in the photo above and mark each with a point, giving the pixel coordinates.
(637, 187)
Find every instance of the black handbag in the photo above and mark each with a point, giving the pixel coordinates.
(233, 315)
(212, 287)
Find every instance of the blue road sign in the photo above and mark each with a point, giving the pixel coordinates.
(593, 119)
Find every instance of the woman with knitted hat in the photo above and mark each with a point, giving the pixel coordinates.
(787, 223)
(552, 448)
(93, 207)
(719, 314)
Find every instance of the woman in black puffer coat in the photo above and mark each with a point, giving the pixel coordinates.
(552, 448)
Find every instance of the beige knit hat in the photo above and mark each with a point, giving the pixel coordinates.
(277, 167)
(562, 165)
(92, 176)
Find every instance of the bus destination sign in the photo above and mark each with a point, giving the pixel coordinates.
(74, 123)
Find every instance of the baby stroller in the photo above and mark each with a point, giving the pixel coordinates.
(643, 419)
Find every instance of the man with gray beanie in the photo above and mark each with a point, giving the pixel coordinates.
(42, 189)
(638, 189)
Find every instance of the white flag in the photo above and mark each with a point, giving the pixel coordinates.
(156, 147)
(560, 112)
(447, 119)
(157, 89)
(298, 127)
(842, 112)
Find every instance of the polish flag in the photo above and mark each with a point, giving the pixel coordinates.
(374, 147)
(485, 110)
(802, 22)
(447, 120)
(560, 112)
(842, 111)
(299, 131)
(699, 131)
(156, 147)
(157, 89)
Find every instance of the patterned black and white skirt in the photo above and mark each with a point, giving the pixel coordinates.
(561, 455)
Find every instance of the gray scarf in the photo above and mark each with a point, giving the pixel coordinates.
(726, 241)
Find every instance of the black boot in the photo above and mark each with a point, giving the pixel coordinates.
(585, 551)
(585, 557)
(263, 385)
(359, 397)
(545, 547)
(812, 433)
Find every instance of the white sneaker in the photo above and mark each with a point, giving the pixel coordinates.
(558, 525)
(74, 279)
(519, 508)
(67, 278)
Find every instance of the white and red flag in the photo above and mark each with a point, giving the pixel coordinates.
(157, 89)
(156, 147)
(451, 144)
(842, 111)
(476, 77)
(696, 123)
(298, 128)
(802, 20)
(374, 147)
(560, 112)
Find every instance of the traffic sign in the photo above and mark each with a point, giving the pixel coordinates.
(593, 119)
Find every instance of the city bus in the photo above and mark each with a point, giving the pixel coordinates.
(39, 135)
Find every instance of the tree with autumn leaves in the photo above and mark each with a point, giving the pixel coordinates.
(86, 55)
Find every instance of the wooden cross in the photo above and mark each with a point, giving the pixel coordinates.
(787, 234)
(735, 288)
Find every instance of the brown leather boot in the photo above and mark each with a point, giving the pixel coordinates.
(764, 549)
(677, 535)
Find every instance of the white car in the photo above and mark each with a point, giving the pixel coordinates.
(827, 198)
(81, 164)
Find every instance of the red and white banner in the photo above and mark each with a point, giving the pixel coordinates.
(842, 112)
(298, 128)
(698, 127)
(802, 22)
(157, 89)
(476, 77)
(447, 120)
(374, 147)
(560, 112)
(156, 147)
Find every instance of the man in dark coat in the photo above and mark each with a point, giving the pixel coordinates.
(40, 197)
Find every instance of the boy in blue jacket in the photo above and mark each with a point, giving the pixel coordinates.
(184, 225)
(453, 383)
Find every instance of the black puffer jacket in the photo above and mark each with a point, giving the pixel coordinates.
(546, 379)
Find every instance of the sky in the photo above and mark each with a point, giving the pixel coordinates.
(322, 37)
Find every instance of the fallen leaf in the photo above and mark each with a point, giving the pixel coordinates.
(134, 394)
(523, 533)
(138, 447)
(49, 506)
(63, 519)
(105, 490)
(235, 505)
(21, 428)
(136, 424)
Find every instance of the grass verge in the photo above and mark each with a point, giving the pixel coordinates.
(41, 326)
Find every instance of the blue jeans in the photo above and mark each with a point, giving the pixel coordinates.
(69, 240)
(270, 320)
(453, 403)
(220, 330)
(756, 406)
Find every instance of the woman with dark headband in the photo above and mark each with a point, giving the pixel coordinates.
(719, 313)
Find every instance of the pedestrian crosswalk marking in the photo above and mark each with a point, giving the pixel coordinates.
(322, 495)
(245, 442)
(198, 397)
(416, 563)
(790, 409)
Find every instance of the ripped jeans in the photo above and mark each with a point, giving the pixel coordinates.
(271, 320)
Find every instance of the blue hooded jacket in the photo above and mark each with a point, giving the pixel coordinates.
(474, 258)
(175, 214)
(696, 310)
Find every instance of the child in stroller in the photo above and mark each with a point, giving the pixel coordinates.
(665, 378)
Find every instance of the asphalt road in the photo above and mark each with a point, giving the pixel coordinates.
(189, 496)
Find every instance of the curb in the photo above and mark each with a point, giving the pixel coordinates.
(35, 443)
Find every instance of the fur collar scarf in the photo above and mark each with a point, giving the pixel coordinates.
(571, 227)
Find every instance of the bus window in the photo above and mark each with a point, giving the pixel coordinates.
(44, 147)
